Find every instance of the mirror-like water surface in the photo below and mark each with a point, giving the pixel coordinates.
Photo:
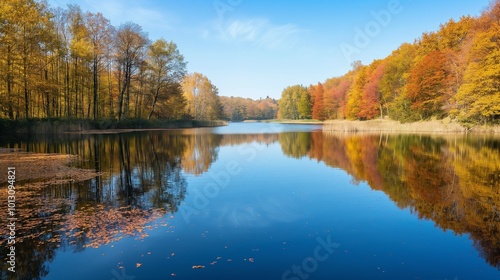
(264, 201)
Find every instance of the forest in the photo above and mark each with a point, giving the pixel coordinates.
(72, 64)
(454, 72)
(60, 63)
(240, 109)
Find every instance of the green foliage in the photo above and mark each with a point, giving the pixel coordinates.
(291, 98)
(305, 105)
(401, 110)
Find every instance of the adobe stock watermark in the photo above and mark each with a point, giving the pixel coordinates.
(223, 6)
(310, 264)
(221, 180)
(364, 36)
(201, 198)
(121, 276)
(11, 220)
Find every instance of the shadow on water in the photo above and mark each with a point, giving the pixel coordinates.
(451, 180)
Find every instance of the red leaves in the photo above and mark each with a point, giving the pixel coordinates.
(369, 106)
(318, 110)
(429, 84)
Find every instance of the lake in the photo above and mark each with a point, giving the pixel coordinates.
(264, 201)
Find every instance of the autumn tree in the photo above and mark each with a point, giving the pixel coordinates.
(429, 85)
(100, 34)
(393, 83)
(305, 105)
(356, 94)
(26, 38)
(478, 99)
(167, 68)
(294, 103)
(370, 105)
(202, 97)
(130, 45)
(239, 108)
(81, 55)
(317, 96)
(335, 95)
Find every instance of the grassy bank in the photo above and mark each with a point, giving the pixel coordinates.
(308, 121)
(434, 126)
(58, 126)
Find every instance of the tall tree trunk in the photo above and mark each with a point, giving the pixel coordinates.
(9, 83)
(110, 92)
(25, 84)
(155, 98)
(121, 93)
(76, 87)
(96, 85)
(127, 94)
(67, 91)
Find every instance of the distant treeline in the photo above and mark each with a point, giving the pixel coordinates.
(240, 109)
(454, 72)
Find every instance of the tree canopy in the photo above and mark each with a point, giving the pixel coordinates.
(453, 72)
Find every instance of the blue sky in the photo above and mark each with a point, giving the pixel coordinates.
(257, 48)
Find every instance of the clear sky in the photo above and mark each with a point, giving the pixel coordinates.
(257, 48)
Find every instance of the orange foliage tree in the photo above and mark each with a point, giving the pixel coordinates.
(317, 93)
(429, 84)
(370, 104)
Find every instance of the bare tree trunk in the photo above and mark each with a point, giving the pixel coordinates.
(9, 83)
(96, 86)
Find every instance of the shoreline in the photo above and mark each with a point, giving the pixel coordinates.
(85, 126)
(315, 122)
(385, 125)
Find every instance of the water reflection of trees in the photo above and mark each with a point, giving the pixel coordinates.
(453, 180)
(143, 179)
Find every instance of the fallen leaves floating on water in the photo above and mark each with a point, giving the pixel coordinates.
(102, 225)
(198, 266)
(53, 168)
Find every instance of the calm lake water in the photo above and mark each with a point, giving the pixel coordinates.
(264, 201)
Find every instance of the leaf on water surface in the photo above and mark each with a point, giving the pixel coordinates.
(198, 266)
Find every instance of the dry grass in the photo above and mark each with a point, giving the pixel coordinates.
(434, 126)
(46, 169)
